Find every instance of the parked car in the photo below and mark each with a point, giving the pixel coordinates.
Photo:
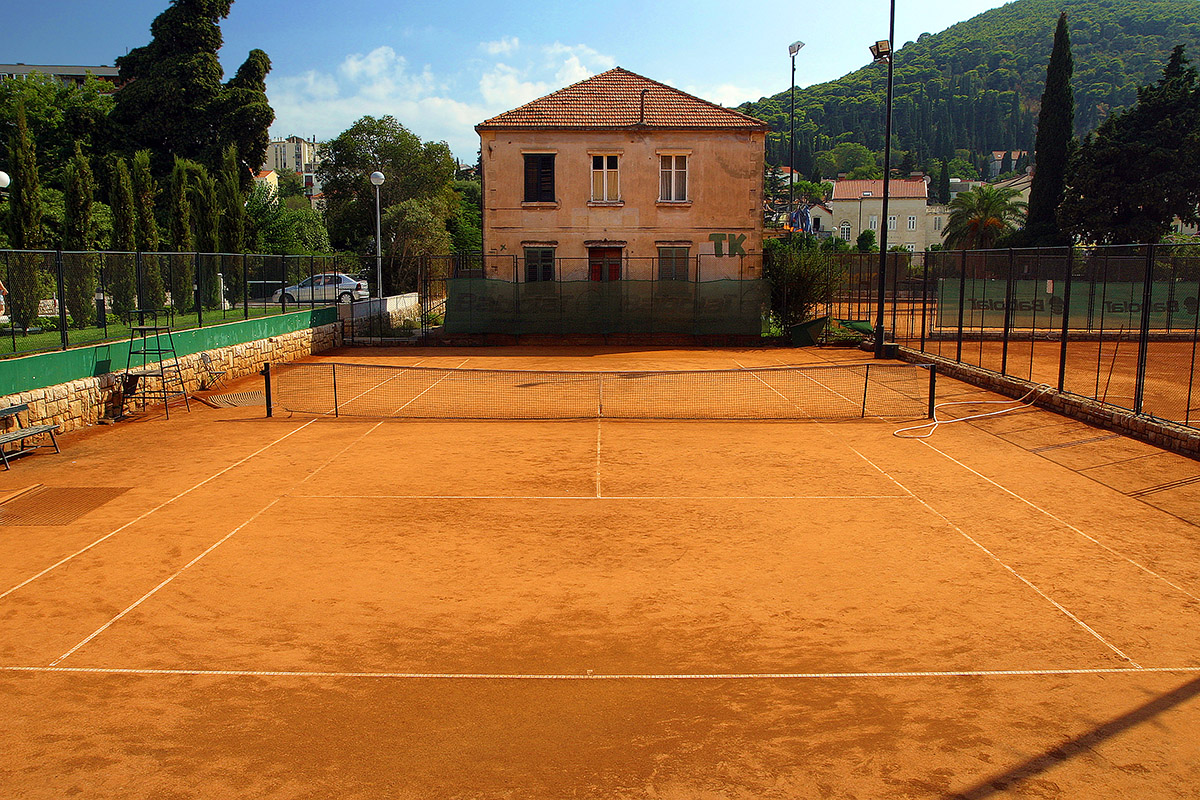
(328, 287)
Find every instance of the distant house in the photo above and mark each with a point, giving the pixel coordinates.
(268, 178)
(912, 223)
(996, 161)
(58, 72)
(960, 185)
(1021, 183)
(297, 155)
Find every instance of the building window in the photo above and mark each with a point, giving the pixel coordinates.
(937, 223)
(912, 223)
(846, 231)
(606, 186)
(912, 248)
(874, 223)
(539, 264)
(673, 263)
(891, 223)
(539, 177)
(672, 183)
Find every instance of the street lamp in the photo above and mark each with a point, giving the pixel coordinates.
(793, 48)
(882, 51)
(4, 180)
(377, 180)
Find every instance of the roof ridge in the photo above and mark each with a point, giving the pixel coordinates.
(608, 99)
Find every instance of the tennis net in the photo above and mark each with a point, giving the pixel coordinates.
(792, 392)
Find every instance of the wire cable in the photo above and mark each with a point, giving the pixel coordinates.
(1026, 401)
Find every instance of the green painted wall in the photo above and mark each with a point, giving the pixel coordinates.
(49, 369)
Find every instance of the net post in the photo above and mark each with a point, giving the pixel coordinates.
(266, 373)
(333, 368)
(866, 383)
(932, 390)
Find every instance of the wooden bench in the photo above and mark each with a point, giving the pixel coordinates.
(19, 433)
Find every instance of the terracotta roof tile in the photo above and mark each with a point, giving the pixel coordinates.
(899, 187)
(613, 99)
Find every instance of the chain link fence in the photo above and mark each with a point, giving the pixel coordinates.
(1117, 324)
(57, 299)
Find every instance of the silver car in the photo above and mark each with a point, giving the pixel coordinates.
(328, 287)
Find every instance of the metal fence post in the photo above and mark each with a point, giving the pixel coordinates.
(245, 288)
(1066, 322)
(1008, 312)
(62, 298)
(962, 302)
(1139, 386)
(199, 289)
(924, 297)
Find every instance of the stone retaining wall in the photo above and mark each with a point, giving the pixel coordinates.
(84, 402)
(1161, 433)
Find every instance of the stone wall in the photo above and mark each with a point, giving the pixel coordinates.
(1161, 433)
(86, 401)
(373, 318)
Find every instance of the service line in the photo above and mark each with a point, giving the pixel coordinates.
(667, 676)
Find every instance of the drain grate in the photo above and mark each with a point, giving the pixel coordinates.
(56, 505)
(235, 399)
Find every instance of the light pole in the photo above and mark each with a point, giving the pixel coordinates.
(377, 180)
(882, 51)
(793, 48)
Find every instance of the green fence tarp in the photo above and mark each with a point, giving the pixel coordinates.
(1040, 304)
(479, 305)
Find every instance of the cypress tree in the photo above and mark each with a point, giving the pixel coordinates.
(79, 268)
(181, 272)
(26, 231)
(206, 229)
(943, 184)
(145, 193)
(1055, 132)
(120, 272)
(232, 232)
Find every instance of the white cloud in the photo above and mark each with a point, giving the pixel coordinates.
(502, 47)
(435, 107)
(503, 88)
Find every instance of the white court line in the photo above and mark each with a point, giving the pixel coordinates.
(997, 559)
(804, 374)
(1063, 522)
(178, 572)
(722, 498)
(697, 676)
(138, 519)
(154, 591)
(430, 386)
(376, 386)
(598, 421)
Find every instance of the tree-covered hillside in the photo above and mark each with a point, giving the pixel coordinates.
(976, 86)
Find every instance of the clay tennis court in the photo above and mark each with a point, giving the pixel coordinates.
(222, 604)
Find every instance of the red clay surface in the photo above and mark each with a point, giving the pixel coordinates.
(299, 607)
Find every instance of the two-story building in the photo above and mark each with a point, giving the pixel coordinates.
(619, 177)
(857, 205)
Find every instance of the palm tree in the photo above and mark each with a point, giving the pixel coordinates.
(978, 218)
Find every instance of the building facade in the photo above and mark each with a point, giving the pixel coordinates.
(857, 205)
(620, 177)
(59, 72)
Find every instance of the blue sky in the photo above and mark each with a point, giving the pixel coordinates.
(441, 67)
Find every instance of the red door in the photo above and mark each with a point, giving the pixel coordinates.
(604, 263)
